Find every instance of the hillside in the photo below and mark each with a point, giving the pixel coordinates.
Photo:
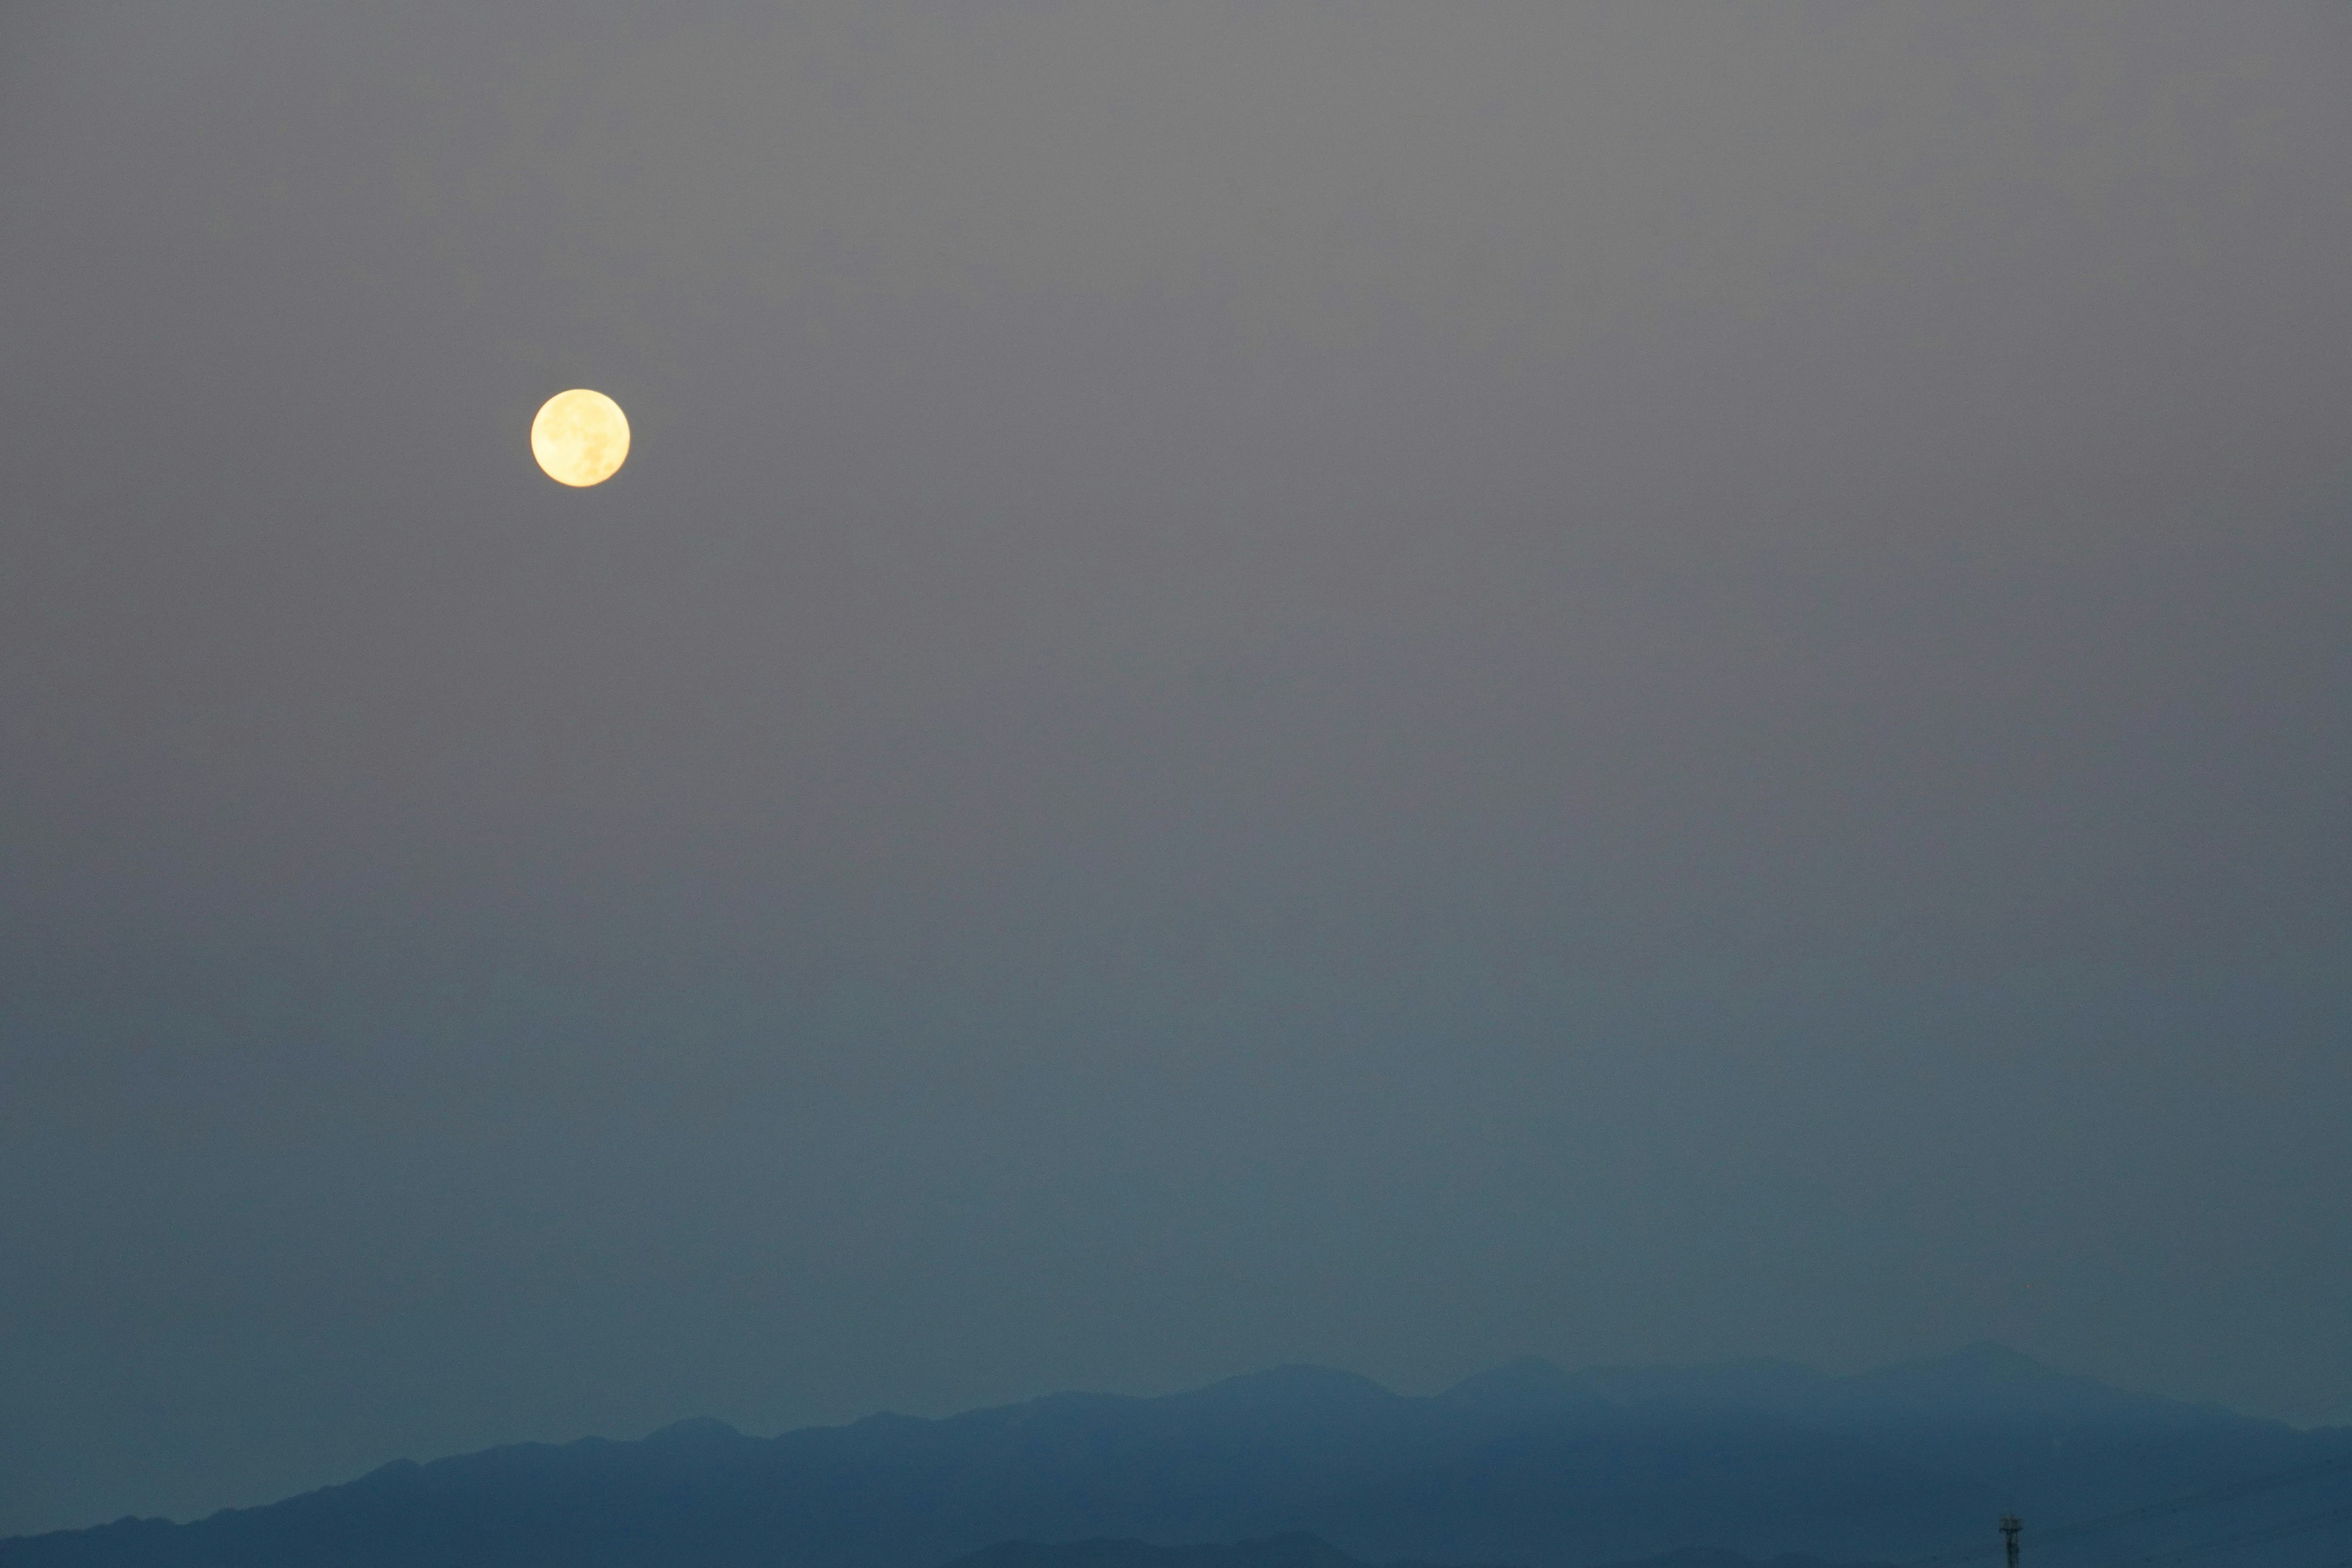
(1524, 1465)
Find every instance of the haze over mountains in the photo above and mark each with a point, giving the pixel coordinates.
(1523, 1465)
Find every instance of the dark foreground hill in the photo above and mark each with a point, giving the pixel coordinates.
(1524, 1465)
(1274, 1551)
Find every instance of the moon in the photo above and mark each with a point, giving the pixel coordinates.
(581, 438)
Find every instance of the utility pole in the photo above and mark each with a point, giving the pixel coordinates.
(2010, 1525)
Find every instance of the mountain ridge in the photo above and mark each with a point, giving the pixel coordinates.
(1522, 1464)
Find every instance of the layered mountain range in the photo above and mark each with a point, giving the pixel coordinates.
(1524, 1465)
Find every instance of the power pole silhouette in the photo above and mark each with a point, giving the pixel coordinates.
(2010, 1525)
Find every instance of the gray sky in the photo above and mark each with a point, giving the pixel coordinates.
(1390, 685)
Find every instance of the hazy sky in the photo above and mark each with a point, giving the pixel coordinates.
(1384, 684)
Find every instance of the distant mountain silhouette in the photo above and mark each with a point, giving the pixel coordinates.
(1524, 1465)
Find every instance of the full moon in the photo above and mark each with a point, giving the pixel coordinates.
(581, 438)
